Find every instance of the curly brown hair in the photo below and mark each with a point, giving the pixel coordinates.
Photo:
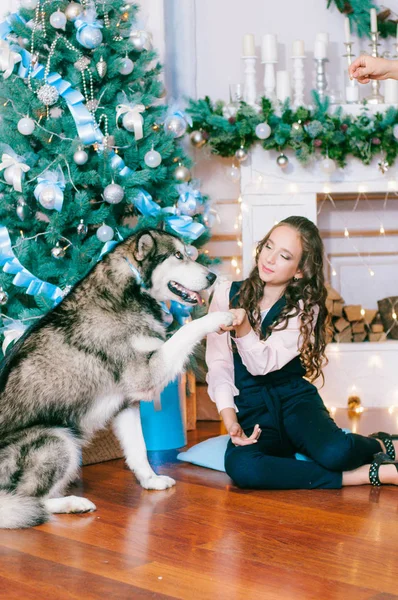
(310, 289)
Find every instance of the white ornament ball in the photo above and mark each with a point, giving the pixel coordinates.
(72, 11)
(175, 125)
(129, 120)
(47, 197)
(113, 193)
(90, 37)
(11, 173)
(29, 4)
(263, 131)
(328, 166)
(26, 126)
(233, 173)
(58, 20)
(152, 159)
(105, 233)
(126, 66)
(80, 157)
(395, 131)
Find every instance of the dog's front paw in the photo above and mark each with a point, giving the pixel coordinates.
(157, 482)
(216, 319)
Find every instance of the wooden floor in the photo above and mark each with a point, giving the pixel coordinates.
(205, 539)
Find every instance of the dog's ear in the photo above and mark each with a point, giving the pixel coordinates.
(144, 246)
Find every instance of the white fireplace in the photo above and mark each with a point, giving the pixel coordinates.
(365, 263)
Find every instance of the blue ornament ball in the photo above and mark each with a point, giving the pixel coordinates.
(90, 37)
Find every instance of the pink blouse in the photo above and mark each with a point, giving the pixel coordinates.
(258, 356)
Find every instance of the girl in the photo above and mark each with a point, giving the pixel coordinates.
(257, 379)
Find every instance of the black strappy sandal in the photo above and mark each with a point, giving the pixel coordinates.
(379, 459)
(387, 440)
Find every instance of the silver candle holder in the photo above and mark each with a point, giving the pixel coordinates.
(321, 83)
(351, 90)
(375, 97)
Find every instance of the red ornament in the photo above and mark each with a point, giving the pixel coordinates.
(376, 141)
(317, 143)
(232, 120)
(344, 127)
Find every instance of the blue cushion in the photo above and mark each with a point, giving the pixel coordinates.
(210, 453)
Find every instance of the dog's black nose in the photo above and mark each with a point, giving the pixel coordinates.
(211, 278)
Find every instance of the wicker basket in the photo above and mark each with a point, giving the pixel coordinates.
(103, 447)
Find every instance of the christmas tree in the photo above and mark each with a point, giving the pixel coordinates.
(88, 152)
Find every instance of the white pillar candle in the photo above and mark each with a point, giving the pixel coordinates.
(347, 31)
(323, 37)
(373, 20)
(351, 93)
(249, 48)
(269, 51)
(320, 49)
(391, 91)
(282, 85)
(298, 48)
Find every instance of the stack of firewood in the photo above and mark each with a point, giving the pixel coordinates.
(352, 323)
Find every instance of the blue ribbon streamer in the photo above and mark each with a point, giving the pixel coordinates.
(23, 278)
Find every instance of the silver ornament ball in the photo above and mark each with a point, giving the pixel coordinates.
(105, 233)
(48, 94)
(182, 174)
(72, 11)
(241, 154)
(80, 157)
(138, 42)
(282, 161)
(197, 139)
(175, 126)
(113, 193)
(58, 252)
(297, 127)
(22, 210)
(152, 159)
(82, 229)
(3, 297)
(263, 131)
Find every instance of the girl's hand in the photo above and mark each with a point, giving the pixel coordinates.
(240, 316)
(239, 438)
(365, 68)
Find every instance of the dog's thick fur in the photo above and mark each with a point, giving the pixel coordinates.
(88, 362)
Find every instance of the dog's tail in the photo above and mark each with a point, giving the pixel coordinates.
(17, 512)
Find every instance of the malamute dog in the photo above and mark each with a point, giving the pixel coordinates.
(89, 361)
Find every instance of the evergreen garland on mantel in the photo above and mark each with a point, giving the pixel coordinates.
(358, 12)
(306, 131)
